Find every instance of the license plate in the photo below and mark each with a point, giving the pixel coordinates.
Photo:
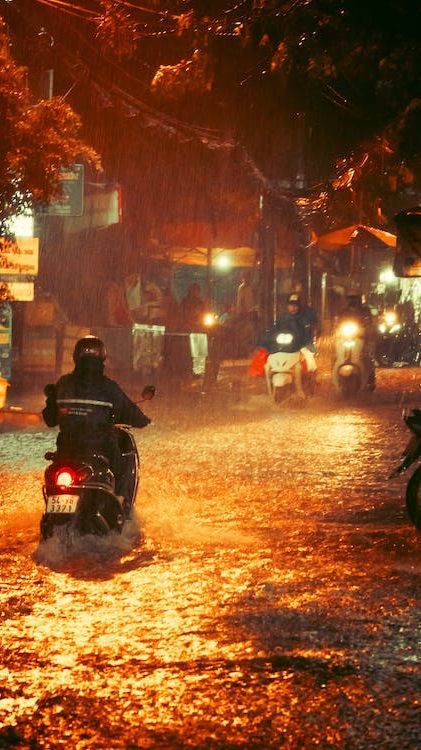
(62, 503)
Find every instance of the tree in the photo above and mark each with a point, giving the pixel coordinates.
(297, 91)
(37, 139)
(298, 84)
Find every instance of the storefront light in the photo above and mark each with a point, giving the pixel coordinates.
(223, 262)
(387, 276)
(22, 225)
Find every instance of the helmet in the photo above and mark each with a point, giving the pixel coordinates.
(354, 301)
(89, 346)
(294, 299)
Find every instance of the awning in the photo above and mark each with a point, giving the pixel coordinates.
(239, 257)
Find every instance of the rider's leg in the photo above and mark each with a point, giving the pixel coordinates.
(298, 383)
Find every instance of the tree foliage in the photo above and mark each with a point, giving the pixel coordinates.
(304, 87)
(37, 139)
(304, 83)
(115, 29)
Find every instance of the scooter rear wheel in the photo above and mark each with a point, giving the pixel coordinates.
(350, 386)
(413, 498)
(99, 514)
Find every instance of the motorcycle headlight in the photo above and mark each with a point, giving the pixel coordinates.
(390, 318)
(382, 328)
(284, 338)
(209, 319)
(349, 329)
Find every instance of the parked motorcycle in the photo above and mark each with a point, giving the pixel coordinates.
(411, 454)
(80, 491)
(396, 341)
(289, 369)
(353, 369)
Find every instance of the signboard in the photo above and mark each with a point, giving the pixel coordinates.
(102, 208)
(20, 291)
(71, 201)
(5, 340)
(19, 258)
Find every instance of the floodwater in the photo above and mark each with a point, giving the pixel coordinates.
(265, 595)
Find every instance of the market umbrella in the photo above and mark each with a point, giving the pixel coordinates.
(223, 258)
(356, 234)
(361, 241)
(234, 242)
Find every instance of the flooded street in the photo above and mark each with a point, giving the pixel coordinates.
(265, 595)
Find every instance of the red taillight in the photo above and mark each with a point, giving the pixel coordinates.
(65, 478)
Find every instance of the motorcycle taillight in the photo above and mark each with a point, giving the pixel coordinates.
(65, 477)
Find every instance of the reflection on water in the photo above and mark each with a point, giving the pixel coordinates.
(264, 596)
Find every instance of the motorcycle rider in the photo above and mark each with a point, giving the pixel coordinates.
(86, 404)
(308, 321)
(301, 323)
(358, 309)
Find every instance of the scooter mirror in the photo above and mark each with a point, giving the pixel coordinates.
(148, 392)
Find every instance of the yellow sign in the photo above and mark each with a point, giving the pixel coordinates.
(20, 291)
(19, 258)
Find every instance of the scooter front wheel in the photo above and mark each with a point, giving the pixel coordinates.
(413, 498)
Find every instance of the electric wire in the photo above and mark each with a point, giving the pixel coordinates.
(62, 5)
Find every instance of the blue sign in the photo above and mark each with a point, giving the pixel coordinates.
(5, 340)
(71, 201)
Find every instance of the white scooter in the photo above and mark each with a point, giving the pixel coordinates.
(353, 368)
(284, 369)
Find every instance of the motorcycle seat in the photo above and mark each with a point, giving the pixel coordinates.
(54, 456)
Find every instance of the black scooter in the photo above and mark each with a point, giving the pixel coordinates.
(396, 341)
(80, 492)
(411, 454)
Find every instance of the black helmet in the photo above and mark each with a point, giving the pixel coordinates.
(89, 346)
(354, 301)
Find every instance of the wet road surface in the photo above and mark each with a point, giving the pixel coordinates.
(265, 596)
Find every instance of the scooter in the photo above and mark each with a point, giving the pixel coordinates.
(353, 368)
(396, 342)
(80, 491)
(288, 369)
(411, 454)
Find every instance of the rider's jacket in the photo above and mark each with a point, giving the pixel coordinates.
(310, 321)
(286, 323)
(85, 404)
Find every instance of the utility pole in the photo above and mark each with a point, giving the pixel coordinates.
(267, 261)
(45, 44)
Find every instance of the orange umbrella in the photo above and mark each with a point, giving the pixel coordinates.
(357, 234)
